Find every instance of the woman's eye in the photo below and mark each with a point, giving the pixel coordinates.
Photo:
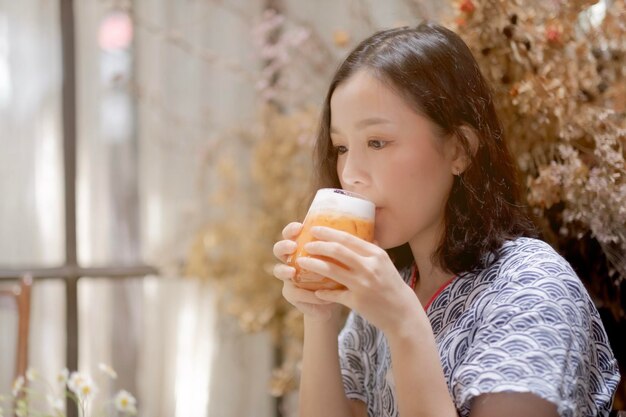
(376, 143)
(340, 149)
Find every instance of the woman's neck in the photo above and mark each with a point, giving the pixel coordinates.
(430, 280)
(431, 275)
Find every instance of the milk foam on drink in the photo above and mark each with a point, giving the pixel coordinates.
(331, 200)
(340, 210)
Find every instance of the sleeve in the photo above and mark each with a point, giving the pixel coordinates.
(352, 358)
(540, 334)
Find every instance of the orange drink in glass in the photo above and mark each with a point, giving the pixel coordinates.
(341, 210)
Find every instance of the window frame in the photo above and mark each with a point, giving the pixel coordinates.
(70, 272)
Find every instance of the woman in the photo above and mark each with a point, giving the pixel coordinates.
(455, 309)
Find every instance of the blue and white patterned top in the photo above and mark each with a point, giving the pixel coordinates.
(524, 324)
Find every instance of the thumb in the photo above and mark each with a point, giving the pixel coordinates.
(334, 296)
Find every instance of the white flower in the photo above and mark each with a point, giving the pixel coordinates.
(125, 402)
(31, 374)
(75, 381)
(63, 376)
(18, 384)
(108, 370)
(57, 405)
(88, 390)
(82, 385)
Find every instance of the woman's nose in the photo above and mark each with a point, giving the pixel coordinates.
(353, 170)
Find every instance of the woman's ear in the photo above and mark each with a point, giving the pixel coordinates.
(465, 143)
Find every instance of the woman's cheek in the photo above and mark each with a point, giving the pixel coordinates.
(386, 233)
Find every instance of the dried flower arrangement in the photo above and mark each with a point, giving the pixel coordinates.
(555, 70)
(558, 70)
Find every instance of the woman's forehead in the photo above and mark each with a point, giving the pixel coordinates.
(363, 100)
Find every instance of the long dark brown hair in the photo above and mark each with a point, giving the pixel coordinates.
(434, 71)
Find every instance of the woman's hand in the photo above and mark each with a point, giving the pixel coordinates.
(375, 289)
(304, 300)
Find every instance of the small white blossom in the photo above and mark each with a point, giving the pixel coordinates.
(88, 390)
(31, 374)
(108, 370)
(82, 385)
(75, 381)
(18, 384)
(125, 402)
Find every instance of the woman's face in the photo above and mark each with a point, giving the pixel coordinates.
(390, 154)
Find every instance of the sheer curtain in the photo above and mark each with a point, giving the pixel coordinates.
(31, 212)
(137, 187)
(187, 96)
(138, 201)
(31, 203)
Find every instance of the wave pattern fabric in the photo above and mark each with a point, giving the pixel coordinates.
(524, 324)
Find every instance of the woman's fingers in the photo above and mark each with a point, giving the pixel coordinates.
(335, 251)
(292, 230)
(336, 296)
(284, 248)
(355, 243)
(284, 272)
(328, 269)
(297, 295)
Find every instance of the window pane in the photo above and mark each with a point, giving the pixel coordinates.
(31, 173)
(107, 149)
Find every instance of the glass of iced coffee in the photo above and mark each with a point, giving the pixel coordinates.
(341, 210)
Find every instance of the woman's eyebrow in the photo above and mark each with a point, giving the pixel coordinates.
(362, 124)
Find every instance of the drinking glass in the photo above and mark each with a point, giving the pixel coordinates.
(341, 210)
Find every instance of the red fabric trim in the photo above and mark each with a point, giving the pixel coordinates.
(443, 287)
(413, 282)
(413, 277)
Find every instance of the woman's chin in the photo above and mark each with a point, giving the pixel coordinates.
(383, 243)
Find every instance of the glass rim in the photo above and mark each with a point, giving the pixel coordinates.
(346, 193)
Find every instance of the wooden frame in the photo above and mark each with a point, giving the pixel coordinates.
(20, 294)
